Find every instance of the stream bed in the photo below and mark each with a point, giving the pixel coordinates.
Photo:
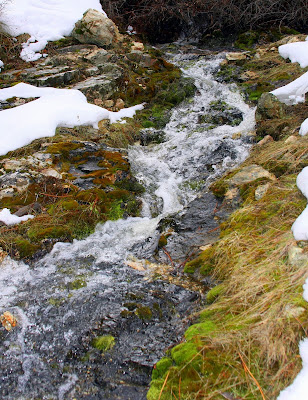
(108, 283)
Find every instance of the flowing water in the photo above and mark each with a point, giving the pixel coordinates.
(86, 289)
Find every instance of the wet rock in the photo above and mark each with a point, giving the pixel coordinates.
(8, 321)
(96, 28)
(269, 107)
(150, 135)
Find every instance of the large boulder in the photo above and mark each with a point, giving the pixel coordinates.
(96, 28)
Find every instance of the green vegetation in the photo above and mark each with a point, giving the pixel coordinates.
(104, 343)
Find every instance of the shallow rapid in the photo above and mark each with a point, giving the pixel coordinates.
(88, 288)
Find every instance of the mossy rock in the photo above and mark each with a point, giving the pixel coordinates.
(104, 343)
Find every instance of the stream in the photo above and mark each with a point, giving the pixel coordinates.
(111, 283)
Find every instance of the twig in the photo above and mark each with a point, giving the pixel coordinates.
(54, 195)
(168, 255)
(250, 373)
(163, 387)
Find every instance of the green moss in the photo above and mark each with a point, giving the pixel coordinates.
(214, 293)
(161, 368)
(76, 284)
(199, 330)
(144, 313)
(63, 148)
(247, 40)
(162, 242)
(204, 262)
(219, 188)
(25, 248)
(37, 233)
(116, 211)
(185, 353)
(104, 343)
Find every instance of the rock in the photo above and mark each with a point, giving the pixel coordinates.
(8, 320)
(108, 103)
(137, 46)
(291, 139)
(51, 172)
(293, 312)
(237, 56)
(150, 135)
(265, 140)
(261, 191)
(269, 107)
(297, 256)
(248, 75)
(249, 174)
(96, 28)
(16, 180)
(96, 87)
(9, 192)
(119, 104)
(29, 209)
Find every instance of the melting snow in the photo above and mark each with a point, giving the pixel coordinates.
(9, 219)
(43, 20)
(296, 52)
(41, 117)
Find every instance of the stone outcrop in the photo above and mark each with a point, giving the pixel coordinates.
(96, 28)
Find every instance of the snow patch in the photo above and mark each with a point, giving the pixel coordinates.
(294, 92)
(55, 107)
(10, 219)
(296, 52)
(43, 20)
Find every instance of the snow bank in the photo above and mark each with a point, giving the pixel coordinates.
(10, 219)
(300, 226)
(304, 128)
(1, 65)
(296, 52)
(43, 20)
(294, 92)
(40, 118)
(299, 388)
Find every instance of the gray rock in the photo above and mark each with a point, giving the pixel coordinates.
(249, 174)
(60, 79)
(96, 28)
(96, 87)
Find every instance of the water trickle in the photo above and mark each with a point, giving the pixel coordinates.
(84, 289)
